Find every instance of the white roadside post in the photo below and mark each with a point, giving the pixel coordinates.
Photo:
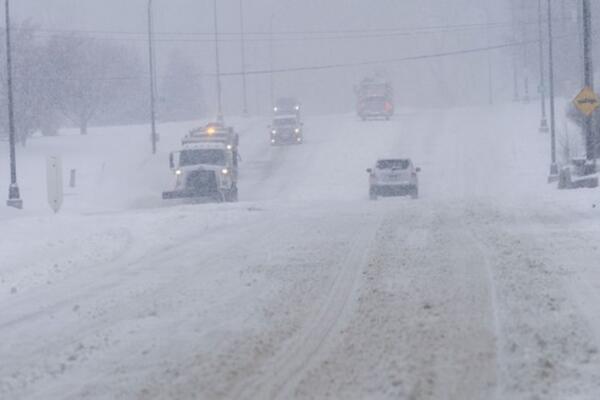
(55, 182)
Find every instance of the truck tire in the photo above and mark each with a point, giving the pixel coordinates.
(231, 195)
(372, 193)
(414, 193)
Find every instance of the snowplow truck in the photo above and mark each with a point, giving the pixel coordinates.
(286, 129)
(206, 166)
(215, 133)
(375, 99)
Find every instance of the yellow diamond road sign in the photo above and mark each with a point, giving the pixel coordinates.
(587, 101)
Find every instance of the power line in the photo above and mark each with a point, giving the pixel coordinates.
(474, 50)
(384, 61)
(291, 32)
(204, 37)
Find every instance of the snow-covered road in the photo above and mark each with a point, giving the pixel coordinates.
(485, 288)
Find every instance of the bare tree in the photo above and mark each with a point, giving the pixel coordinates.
(84, 76)
(29, 89)
(181, 91)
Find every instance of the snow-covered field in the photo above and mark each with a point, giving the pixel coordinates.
(485, 288)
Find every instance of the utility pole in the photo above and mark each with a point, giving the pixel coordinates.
(271, 77)
(490, 79)
(524, 48)
(153, 135)
(542, 87)
(553, 164)
(218, 65)
(14, 197)
(515, 77)
(580, 37)
(590, 150)
(243, 44)
(489, 56)
(514, 52)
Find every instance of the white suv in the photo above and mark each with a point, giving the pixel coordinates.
(393, 177)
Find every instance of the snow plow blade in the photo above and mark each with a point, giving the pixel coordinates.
(190, 194)
(178, 194)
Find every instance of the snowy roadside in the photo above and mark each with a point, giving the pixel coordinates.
(115, 170)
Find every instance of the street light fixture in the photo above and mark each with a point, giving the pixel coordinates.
(154, 136)
(14, 197)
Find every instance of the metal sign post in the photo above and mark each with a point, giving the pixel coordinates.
(589, 82)
(14, 195)
(55, 182)
(553, 177)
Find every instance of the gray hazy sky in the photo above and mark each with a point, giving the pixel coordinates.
(453, 80)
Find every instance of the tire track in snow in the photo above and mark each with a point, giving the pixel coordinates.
(281, 375)
(117, 295)
(423, 326)
(481, 248)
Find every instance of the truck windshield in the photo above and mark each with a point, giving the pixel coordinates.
(287, 103)
(375, 90)
(375, 100)
(196, 157)
(285, 121)
(393, 164)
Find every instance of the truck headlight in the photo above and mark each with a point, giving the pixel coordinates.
(229, 147)
(178, 172)
(297, 130)
(274, 132)
(225, 171)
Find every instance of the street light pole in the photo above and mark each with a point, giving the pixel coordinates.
(553, 164)
(152, 77)
(514, 52)
(271, 77)
(489, 56)
(243, 44)
(525, 55)
(589, 82)
(14, 197)
(544, 121)
(218, 65)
